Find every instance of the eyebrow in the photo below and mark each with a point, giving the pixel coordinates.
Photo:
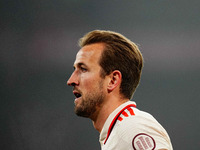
(79, 65)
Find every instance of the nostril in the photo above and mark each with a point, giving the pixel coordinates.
(70, 83)
(73, 84)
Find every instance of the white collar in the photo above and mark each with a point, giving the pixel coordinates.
(110, 120)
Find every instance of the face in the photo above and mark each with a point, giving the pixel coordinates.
(88, 86)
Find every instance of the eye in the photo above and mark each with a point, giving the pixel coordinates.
(83, 69)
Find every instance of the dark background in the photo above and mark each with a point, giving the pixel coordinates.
(38, 44)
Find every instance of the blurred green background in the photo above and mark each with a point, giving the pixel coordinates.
(38, 44)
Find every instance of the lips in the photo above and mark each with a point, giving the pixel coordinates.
(77, 94)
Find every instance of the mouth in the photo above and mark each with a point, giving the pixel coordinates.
(77, 94)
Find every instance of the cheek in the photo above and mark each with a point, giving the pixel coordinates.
(90, 79)
(87, 81)
(89, 84)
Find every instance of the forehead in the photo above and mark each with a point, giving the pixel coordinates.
(89, 53)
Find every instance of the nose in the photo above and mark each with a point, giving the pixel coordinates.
(73, 80)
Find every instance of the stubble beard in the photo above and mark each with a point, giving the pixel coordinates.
(90, 102)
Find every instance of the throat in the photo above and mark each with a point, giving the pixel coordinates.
(99, 119)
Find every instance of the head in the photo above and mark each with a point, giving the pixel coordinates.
(119, 54)
(102, 54)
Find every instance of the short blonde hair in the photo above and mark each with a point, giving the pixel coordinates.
(121, 54)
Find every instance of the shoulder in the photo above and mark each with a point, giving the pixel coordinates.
(133, 116)
(134, 121)
(139, 127)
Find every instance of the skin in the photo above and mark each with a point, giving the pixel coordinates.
(99, 96)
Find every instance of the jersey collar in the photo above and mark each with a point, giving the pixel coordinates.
(111, 120)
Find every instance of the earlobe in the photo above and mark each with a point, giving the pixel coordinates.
(115, 80)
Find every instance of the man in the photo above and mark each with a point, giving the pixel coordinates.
(107, 71)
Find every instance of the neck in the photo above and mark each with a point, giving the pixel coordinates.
(104, 111)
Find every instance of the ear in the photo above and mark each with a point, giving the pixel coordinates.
(115, 80)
